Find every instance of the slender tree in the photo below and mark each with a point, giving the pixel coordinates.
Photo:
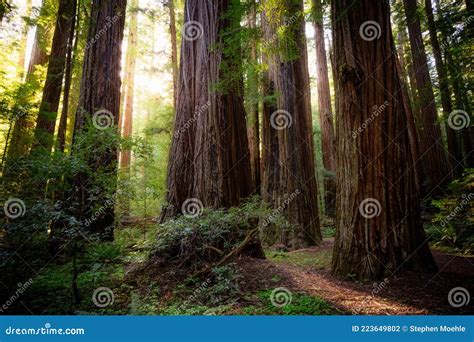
(46, 121)
(328, 139)
(20, 141)
(73, 40)
(100, 103)
(253, 129)
(289, 181)
(455, 152)
(433, 154)
(174, 49)
(209, 158)
(130, 85)
(378, 227)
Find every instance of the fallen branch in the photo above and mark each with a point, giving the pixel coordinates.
(232, 253)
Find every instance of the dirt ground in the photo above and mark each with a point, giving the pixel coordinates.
(407, 293)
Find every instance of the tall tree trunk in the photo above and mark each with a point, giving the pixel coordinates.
(130, 86)
(20, 140)
(174, 50)
(48, 111)
(253, 129)
(209, 158)
(461, 104)
(289, 182)
(433, 154)
(455, 152)
(100, 99)
(328, 139)
(71, 54)
(378, 225)
(23, 41)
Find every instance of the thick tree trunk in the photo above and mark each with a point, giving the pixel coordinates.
(209, 158)
(71, 54)
(434, 159)
(46, 121)
(455, 152)
(378, 225)
(253, 129)
(100, 98)
(328, 139)
(289, 182)
(174, 50)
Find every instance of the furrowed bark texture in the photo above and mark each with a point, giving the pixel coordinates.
(46, 121)
(378, 226)
(328, 139)
(433, 155)
(100, 90)
(209, 159)
(288, 181)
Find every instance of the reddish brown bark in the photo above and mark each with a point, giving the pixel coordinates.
(209, 158)
(100, 91)
(125, 156)
(71, 54)
(46, 121)
(328, 139)
(455, 152)
(433, 155)
(174, 50)
(378, 226)
(253, 128)
(288, 179)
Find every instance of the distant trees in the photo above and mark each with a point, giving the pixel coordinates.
(378, 227)
(328, 139)
(436, 166)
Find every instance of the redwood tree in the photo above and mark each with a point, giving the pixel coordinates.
(46, 121)
(288, 181)
(328, 139)
(433, 155)
(378, 226)
(209, 158)
(99, 103)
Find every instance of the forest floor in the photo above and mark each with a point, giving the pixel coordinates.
(407, 293)
(243, 287)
